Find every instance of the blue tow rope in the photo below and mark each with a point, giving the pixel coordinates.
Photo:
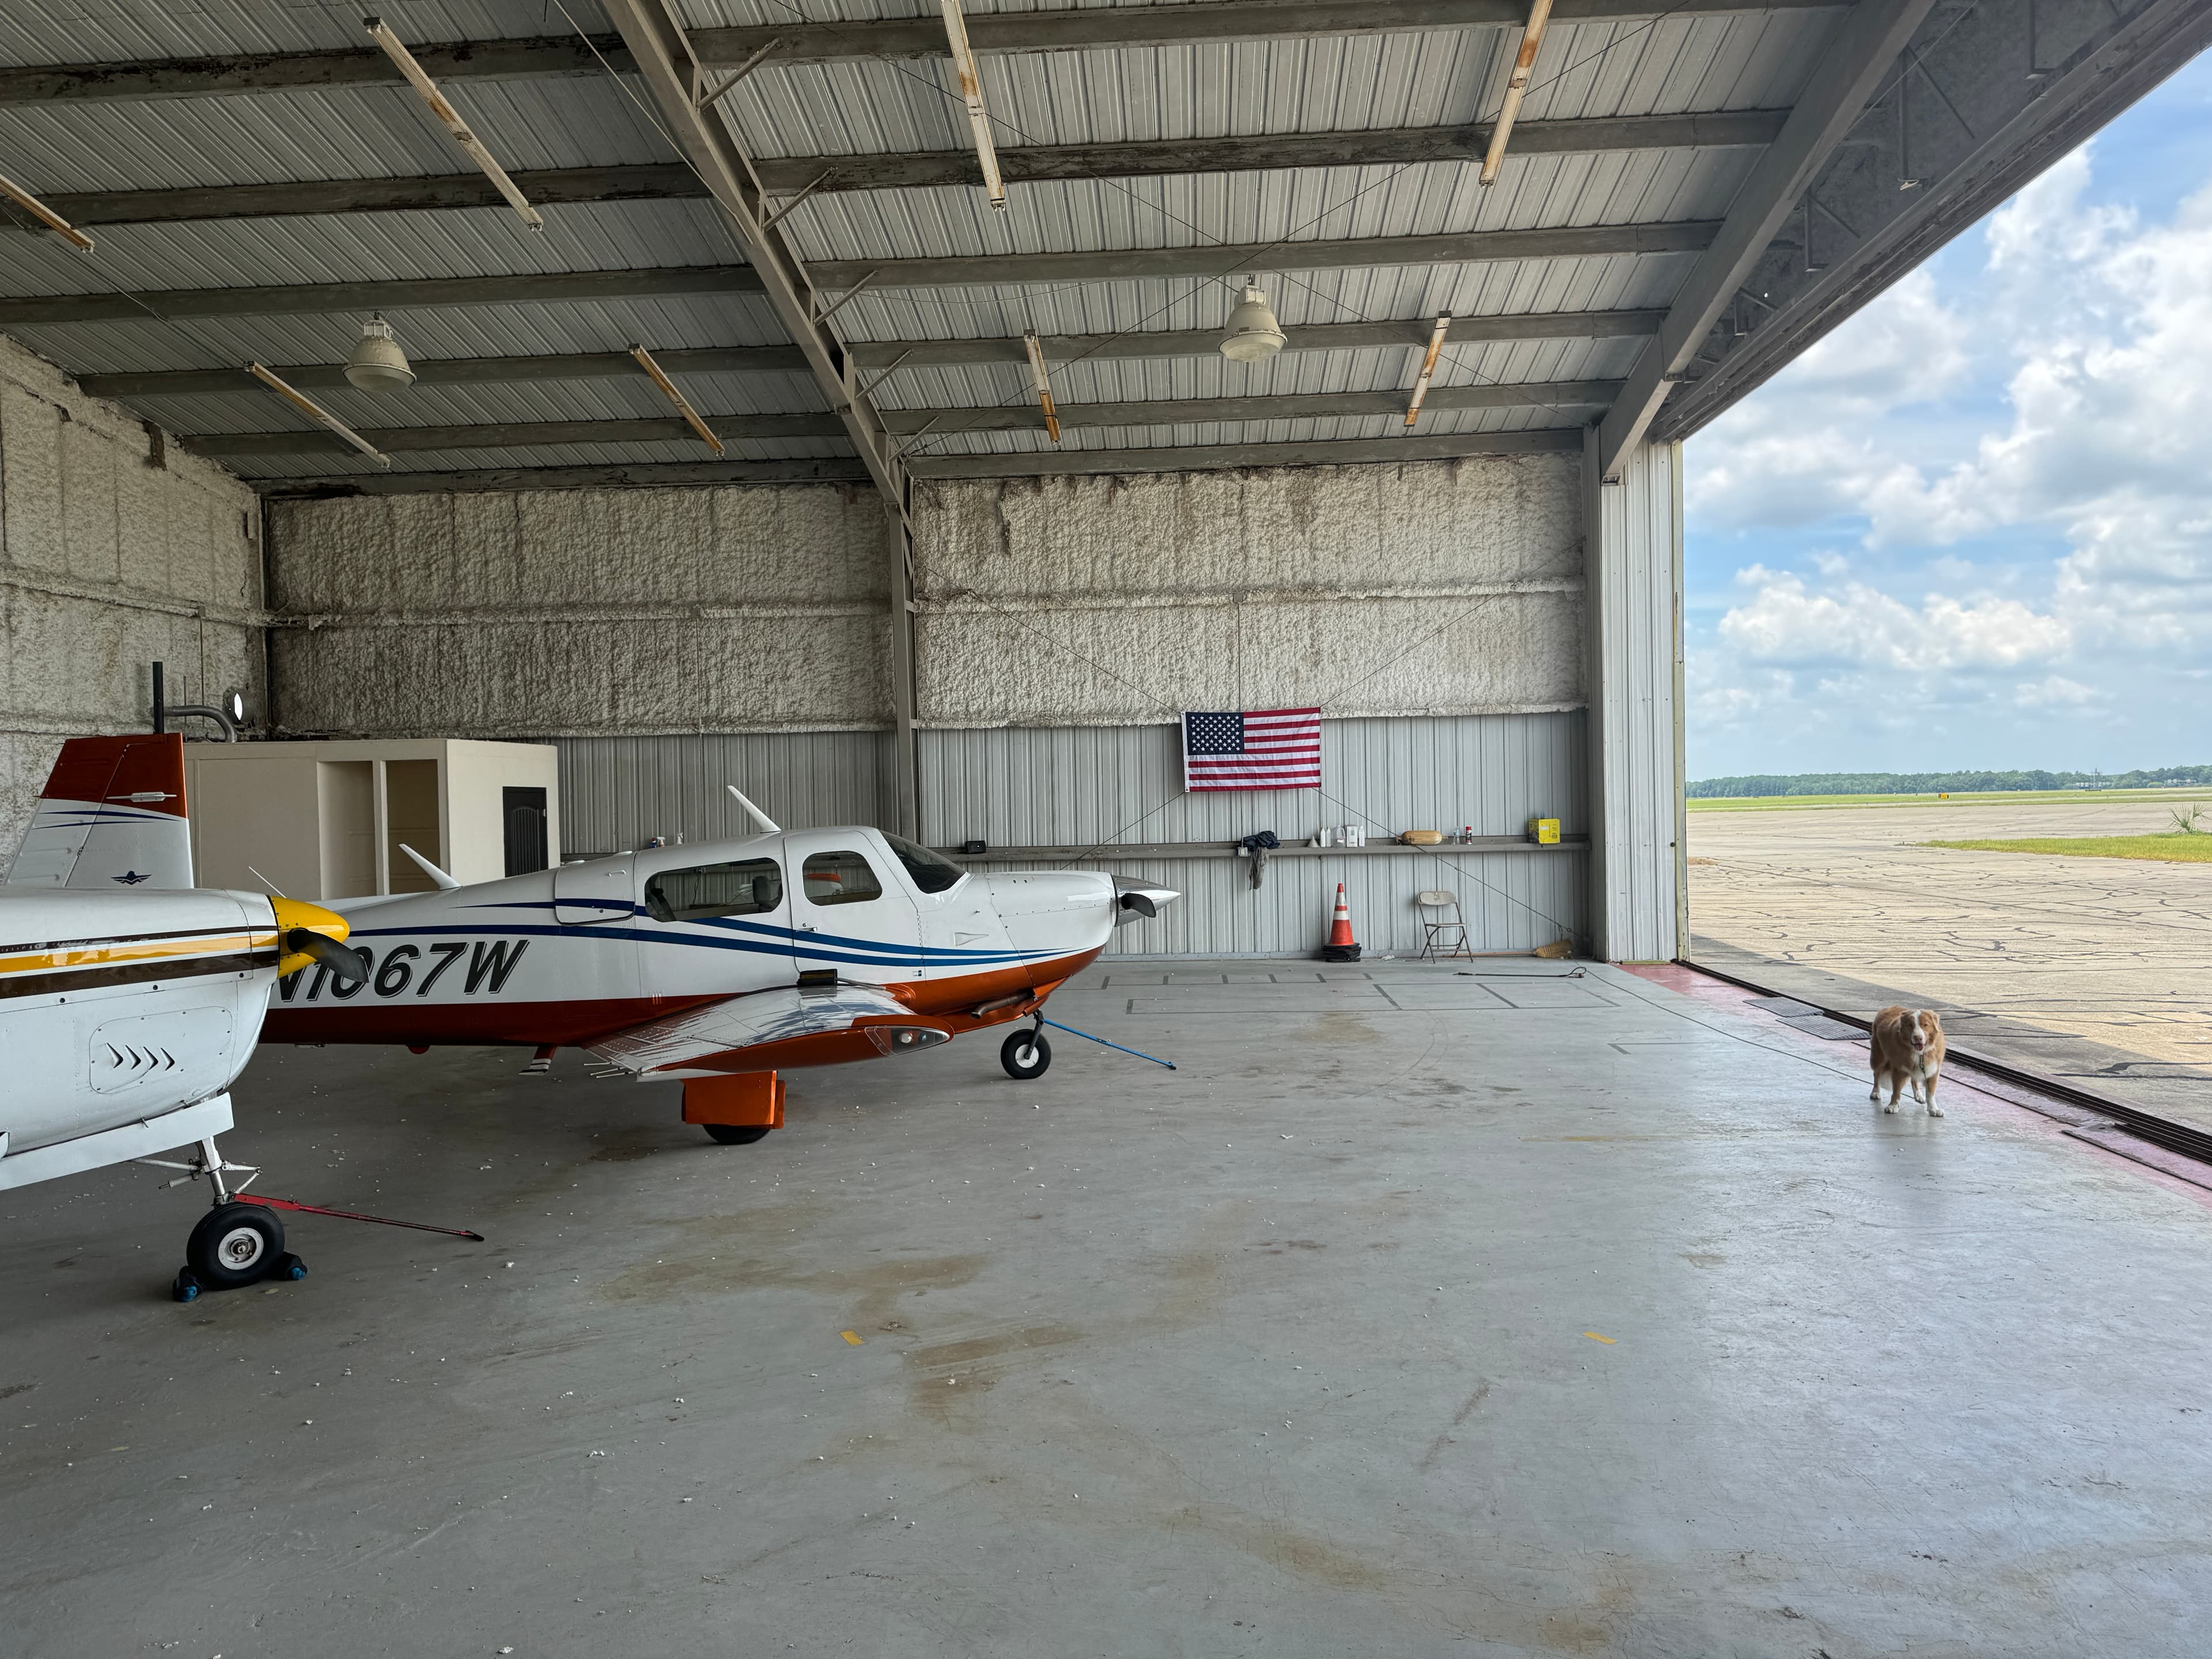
(1101, 1042)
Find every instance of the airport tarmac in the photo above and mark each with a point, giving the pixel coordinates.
(2096, 970)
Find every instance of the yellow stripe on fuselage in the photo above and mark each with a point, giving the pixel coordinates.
(95, 955)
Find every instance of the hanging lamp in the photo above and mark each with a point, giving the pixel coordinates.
(378, 364)
(1253, 334)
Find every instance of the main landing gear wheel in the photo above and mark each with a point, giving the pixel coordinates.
(1025, 1054)
(735, 1134)
(234, 1245)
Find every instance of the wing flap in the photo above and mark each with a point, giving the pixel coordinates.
(774, 1016)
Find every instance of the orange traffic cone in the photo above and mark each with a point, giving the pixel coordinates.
(1341, 947)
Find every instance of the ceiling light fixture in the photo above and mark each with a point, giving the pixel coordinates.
(971, 92)
(315, 412)
(46, 216)
(1253, 334)
(1539, 14)
(683, 404)
(1428, 368)
(377, 363)
(427, 90)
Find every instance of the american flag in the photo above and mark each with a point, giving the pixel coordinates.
(1263, 749)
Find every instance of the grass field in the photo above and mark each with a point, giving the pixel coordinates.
(2172, 848)
(1990, 798)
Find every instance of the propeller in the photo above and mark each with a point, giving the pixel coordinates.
(1140, 903)
(344, 964)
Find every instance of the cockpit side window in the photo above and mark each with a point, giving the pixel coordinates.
(743, 889)
(839, 878)
(932, 871)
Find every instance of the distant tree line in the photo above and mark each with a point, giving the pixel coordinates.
(1931, 783)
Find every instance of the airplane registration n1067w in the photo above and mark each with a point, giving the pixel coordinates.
(721, 964)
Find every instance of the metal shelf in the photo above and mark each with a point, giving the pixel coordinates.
(1230, 849)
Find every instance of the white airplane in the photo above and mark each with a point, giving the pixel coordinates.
(721, 963)
(130, 999)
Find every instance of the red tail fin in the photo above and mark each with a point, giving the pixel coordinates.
(112, 813)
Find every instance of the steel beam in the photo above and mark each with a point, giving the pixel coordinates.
(1384, 147)
(672, 181)
(1211, 262)
(883, 354)
(1848, 72)
(668, 181)
(906, 38)
(828, 279)
(1110, 28)
(1990, 98)
(654, 474)
(1138, 343)
(1296, 406)
(1217, 457)
(458, 371)
(307, 298)
(294, 71)
(1012, 418)
(513, 434)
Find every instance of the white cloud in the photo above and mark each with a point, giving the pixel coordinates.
(2046, 410)
(1786, 622)
(2056, 691)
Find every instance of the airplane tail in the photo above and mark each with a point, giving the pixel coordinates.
(112, 815)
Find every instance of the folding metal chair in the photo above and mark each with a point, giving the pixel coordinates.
(1443, 929)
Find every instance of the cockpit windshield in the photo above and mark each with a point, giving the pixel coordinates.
(932, 871)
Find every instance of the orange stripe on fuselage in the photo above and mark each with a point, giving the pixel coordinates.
(95, 955)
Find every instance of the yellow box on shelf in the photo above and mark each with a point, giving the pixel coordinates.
(1545, 832)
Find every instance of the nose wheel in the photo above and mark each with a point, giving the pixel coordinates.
(1025, 1054)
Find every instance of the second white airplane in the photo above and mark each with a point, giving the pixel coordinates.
(720, 964)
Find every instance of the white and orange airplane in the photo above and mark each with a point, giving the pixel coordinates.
(720, 964)
(131, 999)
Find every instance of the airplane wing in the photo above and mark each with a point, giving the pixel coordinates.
(670, 1044)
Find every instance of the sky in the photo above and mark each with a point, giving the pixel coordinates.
(1972, 526)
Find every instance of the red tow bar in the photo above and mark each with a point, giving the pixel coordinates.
(269, 1203)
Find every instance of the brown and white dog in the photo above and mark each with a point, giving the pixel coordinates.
(1907, 1048)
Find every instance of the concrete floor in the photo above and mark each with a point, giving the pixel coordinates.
(2089, 969)
(1417, 1313)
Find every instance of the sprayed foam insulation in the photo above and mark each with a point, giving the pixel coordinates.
(1448, 587)
(117, 550)
(578, 613)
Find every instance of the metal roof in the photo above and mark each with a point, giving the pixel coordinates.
(183, 114)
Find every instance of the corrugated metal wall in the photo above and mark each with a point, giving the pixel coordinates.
(1073, 786)
(619, 792)
(1634, 584)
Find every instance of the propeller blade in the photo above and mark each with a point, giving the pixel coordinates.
(344, 965)
(1140, 903)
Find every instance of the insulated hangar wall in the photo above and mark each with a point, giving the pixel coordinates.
(674, 640)
(117, 551)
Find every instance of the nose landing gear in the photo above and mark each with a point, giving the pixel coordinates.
(1026, 1053)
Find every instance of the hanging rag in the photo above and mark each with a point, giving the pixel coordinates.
(1259, 845)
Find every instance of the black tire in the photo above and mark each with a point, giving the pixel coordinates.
(735, 1134)
(234, 1245)
(1031, 1044)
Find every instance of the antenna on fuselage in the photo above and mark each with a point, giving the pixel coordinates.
(760, 817)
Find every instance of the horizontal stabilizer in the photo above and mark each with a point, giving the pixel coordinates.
(112, 815)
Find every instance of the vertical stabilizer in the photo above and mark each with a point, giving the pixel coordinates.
(112, 815)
